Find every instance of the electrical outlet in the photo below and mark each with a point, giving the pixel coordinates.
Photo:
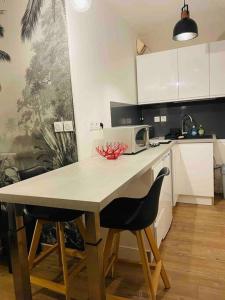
(94, 126)
(163, 119)
(157, 119)
(68, 126)
(58, 126)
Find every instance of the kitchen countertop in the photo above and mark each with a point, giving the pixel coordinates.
(196, 140)
(188, 141)
(89, 185)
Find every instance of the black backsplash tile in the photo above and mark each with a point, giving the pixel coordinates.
(124, 114)
(209, 113)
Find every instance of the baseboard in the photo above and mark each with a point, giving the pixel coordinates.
(196, 200)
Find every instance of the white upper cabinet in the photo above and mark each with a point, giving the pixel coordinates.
(195, 72)
(157, 76)
(217, 68)
(193, 66)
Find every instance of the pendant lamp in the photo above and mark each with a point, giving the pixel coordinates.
(185, 29)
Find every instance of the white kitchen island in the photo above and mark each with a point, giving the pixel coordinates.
(88, 186)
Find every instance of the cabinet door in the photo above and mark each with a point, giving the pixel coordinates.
(217, 69)
(193, 68)
(157, 76)
(196, 170)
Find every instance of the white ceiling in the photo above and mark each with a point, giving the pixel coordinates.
(154, 20)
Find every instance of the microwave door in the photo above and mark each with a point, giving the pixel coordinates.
(141, 139)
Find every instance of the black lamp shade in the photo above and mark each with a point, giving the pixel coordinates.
(185, 29)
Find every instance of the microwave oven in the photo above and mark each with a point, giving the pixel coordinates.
(135, 137)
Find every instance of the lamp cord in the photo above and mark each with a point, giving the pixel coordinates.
(185, 6)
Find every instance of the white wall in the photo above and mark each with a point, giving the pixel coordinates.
(102, 51)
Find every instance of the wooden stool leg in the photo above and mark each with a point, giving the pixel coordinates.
(81, 227)
(108, 251)
(58, 243)
(145, 264)
(35, 243)
(116, 252)
(156, 254)
(64, 262)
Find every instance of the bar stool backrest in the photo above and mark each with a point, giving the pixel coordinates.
(30, 210)
(31, 172)
(148, 209)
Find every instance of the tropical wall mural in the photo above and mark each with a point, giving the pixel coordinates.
(35, 88)
(35, 83)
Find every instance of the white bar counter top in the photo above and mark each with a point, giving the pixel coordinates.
(89, 185)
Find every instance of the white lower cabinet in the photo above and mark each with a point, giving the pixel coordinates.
(164, 218)
(193, 173)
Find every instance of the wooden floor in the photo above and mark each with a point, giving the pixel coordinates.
(194, 256)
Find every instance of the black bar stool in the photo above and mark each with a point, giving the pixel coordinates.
(136, 216)
(46, 215)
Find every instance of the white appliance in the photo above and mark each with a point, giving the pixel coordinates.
(165, 211)
(135, 137)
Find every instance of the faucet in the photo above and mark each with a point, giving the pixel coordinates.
(183, 123)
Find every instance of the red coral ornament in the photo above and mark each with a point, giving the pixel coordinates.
(112, 151)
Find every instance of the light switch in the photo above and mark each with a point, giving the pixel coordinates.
(58, 126)
(68, 126)
(163, 119)
(157, 119)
